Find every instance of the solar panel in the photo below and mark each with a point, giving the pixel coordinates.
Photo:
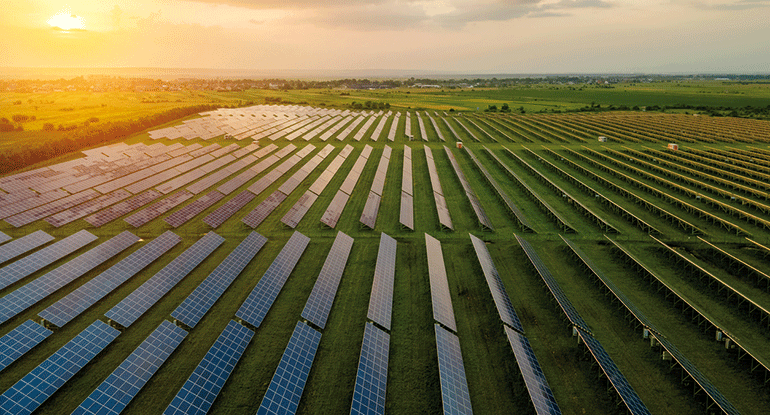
(88, 294)
(381, 299)
(114, 394)
(4, 237)
(51, 208)
(24, 244)
(264, 209)
(454, 386)
(44, 257)
(181, 216)
(439, 285)
(371, 208)
(496, 286)
(325, 289)
(107, 215)
(135, 304)
(438, 194)
(198, 303)
(29, 294)
(224, 212)
(285, 390)
(469, 192)
(298, 211)
(406, 215)
(616, 378)
(372, 377)
(258, 303)
(87, 208)
(20, 340)
(38, 385)
(202, 387)
(334, 211)
(537, 386)
(140, 218)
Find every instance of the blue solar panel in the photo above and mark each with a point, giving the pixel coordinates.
(88, 294)
(42, 287)
(258, 303)
(24, 244)
(112, 396)
(20, 340)
(285, 390)
(202, 387)
(454, 387)
(144, 297)
(38, 385)
(325, 289)
(537, 386)
(4, 237)
(44, 257)
(439, 286)
(499, 295)
(208, 292)
(372, 378)
(381, 300)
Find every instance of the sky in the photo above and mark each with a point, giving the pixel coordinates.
(441, 36)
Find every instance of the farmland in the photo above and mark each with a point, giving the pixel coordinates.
(681, 235)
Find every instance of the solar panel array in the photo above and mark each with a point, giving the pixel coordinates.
(467, 130)
(87, 208)
(325, 289)
(553, 286)
(224, 212)
(113, 212)
(423, 132)
(51, 208)
(243, 178)
(135, 304)
(4, 237)
(285, 389)
(261, 298)
(369, 214)
(34, 291)
(537, 386)
(28, 265)
(438, 194)
(408, 127)
(298, 211)
(38, 385)
(451, 129)
(393, 127)
(114, 394)
(24, 244)
(263, 183)
(439, 285)
(181, 216)
(406, 216)
(499, 295)
(332, 214)
(198, 303)
(20, 340)
(346, 132)
(362, 131)
(202, 387)
(454, 386)
(381, 299)
(372, 377)
(378, 130)
(469, 192)
(435, 127)
(264, 209)
(143, 216)
(88, 294)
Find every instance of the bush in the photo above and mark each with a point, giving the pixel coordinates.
(48, 127)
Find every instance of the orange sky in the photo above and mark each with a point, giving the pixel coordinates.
(519, 36)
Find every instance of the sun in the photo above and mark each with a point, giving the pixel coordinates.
(65, 20)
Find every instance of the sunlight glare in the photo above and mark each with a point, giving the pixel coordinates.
(65, 20)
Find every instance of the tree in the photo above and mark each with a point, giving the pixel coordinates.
(48, 127)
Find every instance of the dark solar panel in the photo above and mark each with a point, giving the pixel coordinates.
(537, 386)
(372, 378)
(88, 294)
(618, 381)
(499, 295)
(381, 300)
(439, 285)
(469, 192)
(197, 304)
(298, 211)
(371, 208)
(140, 218)
(454, 387)
(20, 340)
(325, 289)
(135, 304)
(114, 394)
(26, 296)
(258, 303)
(108, 215)
(181, 216)
(285, 390)
(87, 208)
(44, 257)
(438, 193)
(202, 387)
(24, 244)
(334, 211)
(264, 209)
(38, 385)
(224, 212)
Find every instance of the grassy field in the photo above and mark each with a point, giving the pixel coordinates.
(493, 378)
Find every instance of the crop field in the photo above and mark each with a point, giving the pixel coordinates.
(660, 255)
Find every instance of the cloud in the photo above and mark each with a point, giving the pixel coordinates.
(733, 5)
